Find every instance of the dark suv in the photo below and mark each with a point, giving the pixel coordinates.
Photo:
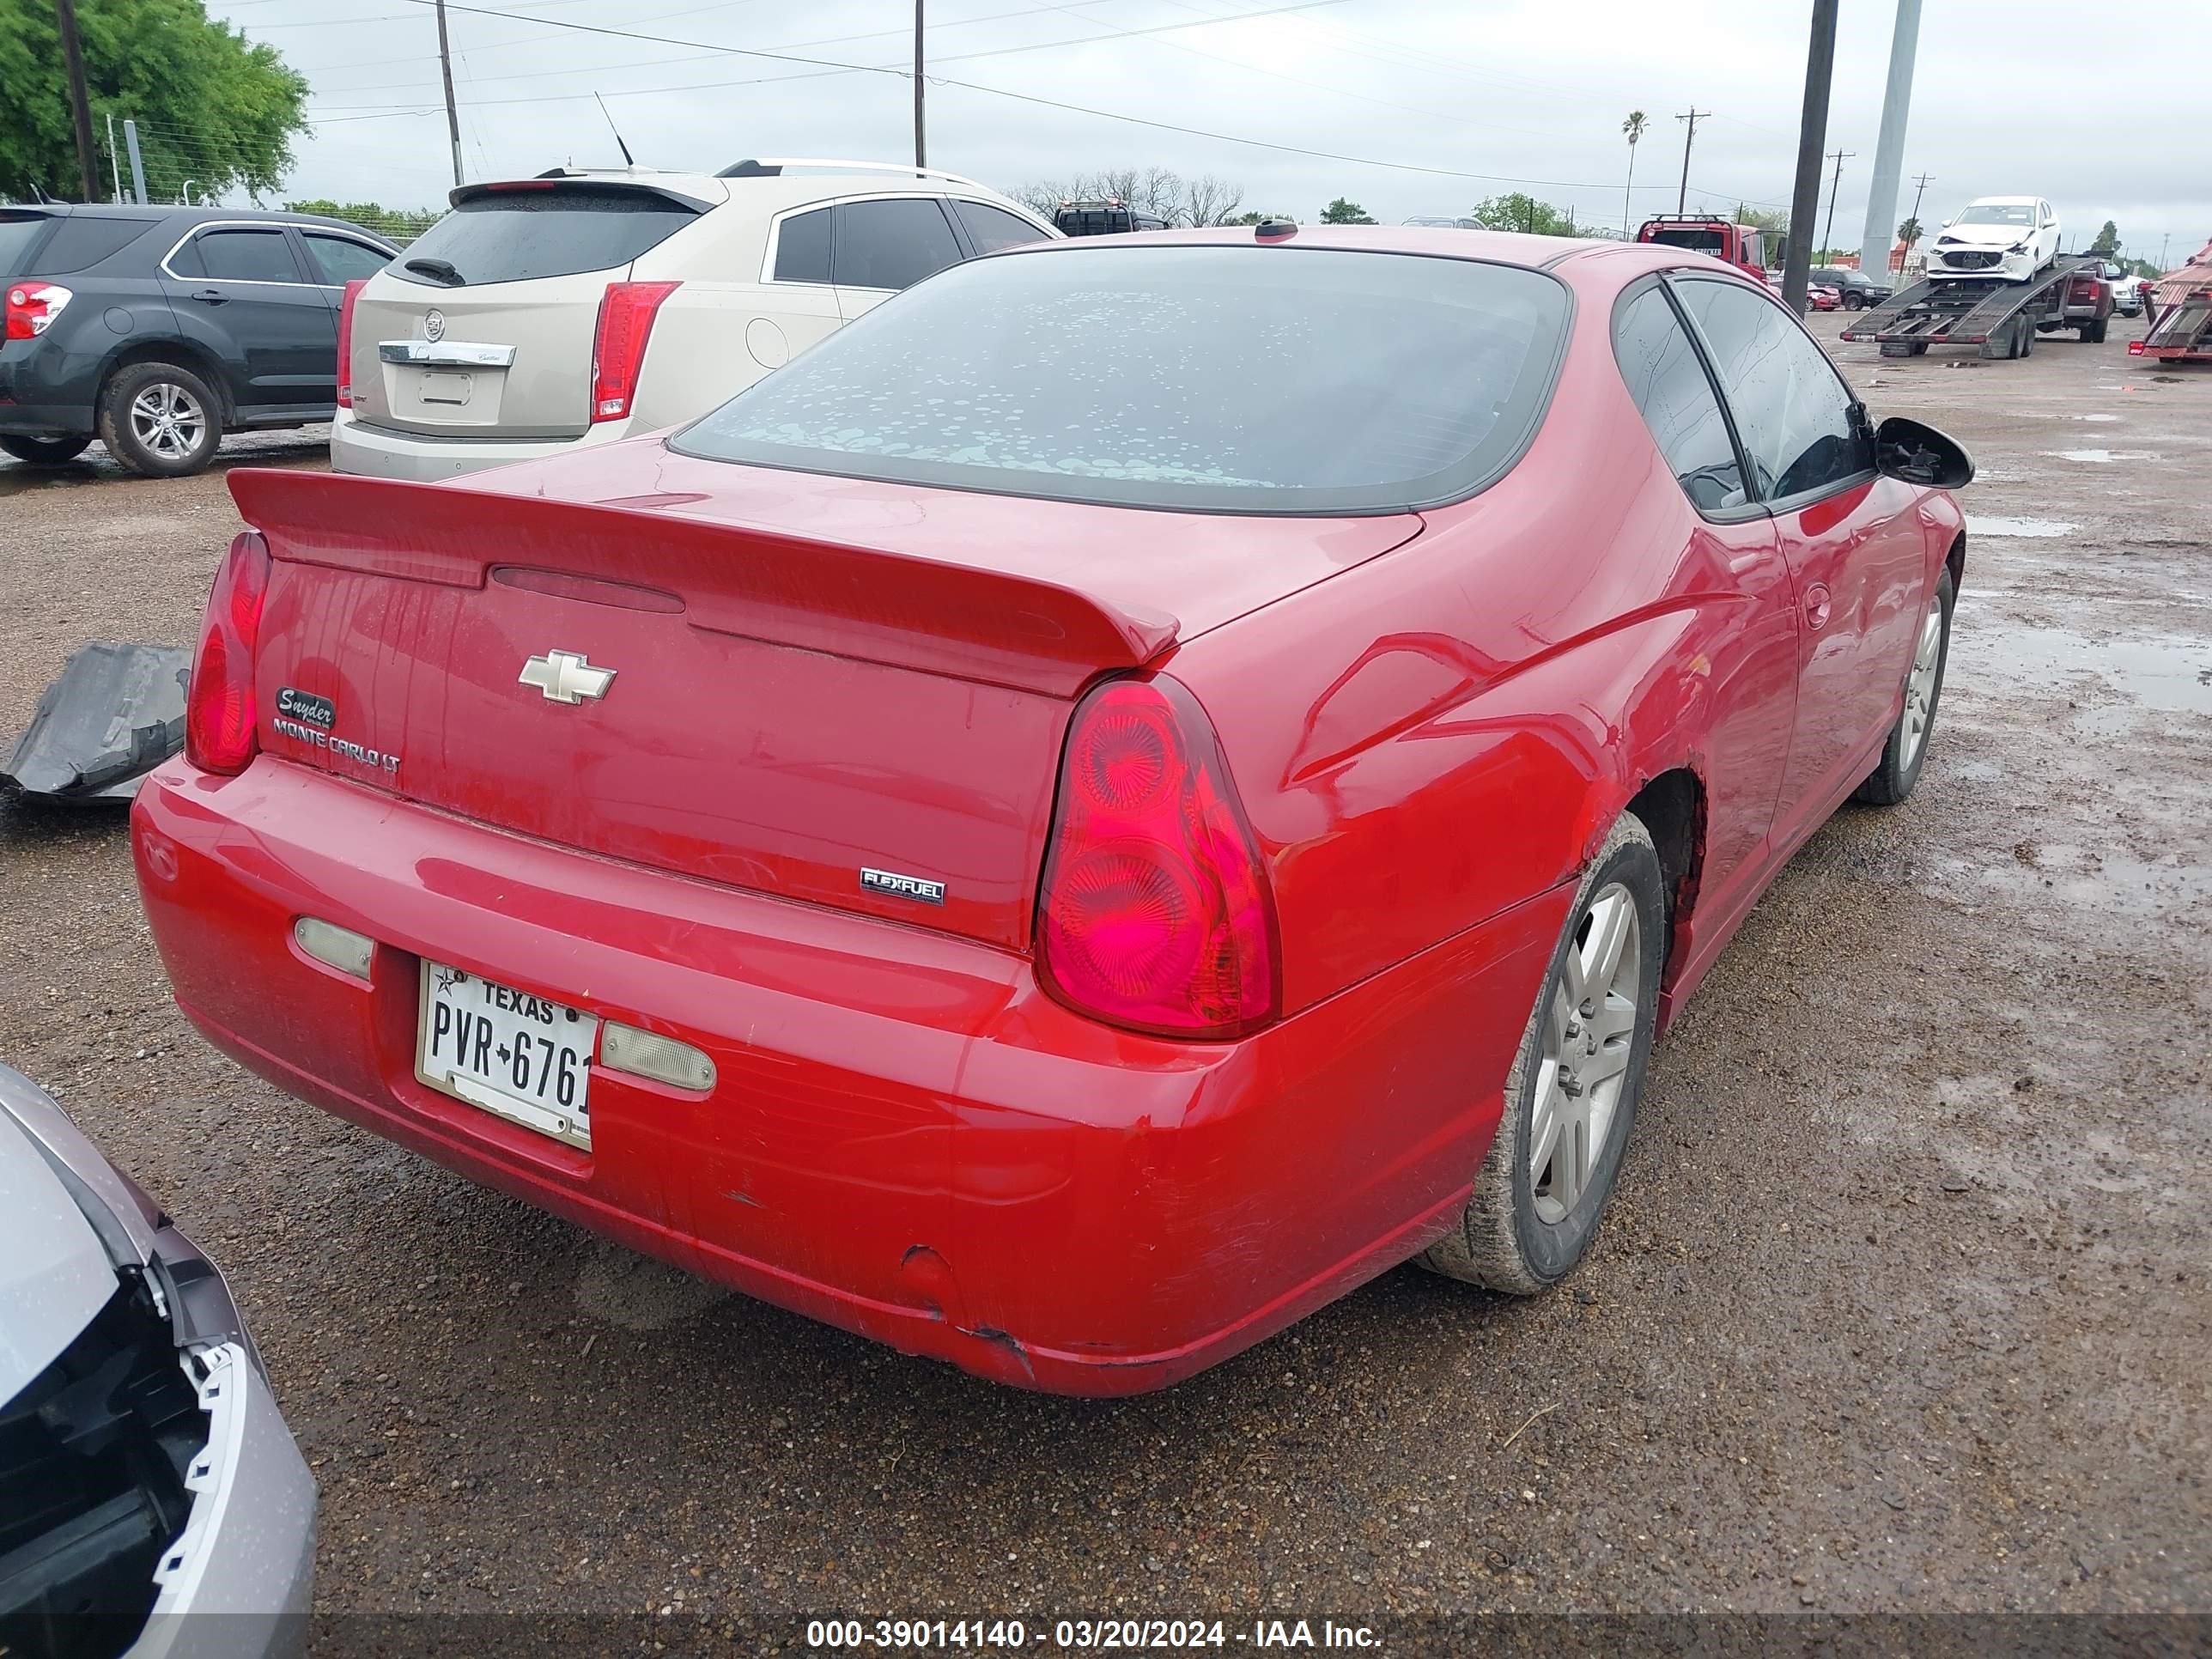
(1857, 288)
(160, 329)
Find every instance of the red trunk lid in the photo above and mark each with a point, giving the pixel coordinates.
(811, 677)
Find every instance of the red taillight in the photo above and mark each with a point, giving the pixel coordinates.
(1157, 912)
(219, 712)
(345, 340)
(31, 306)
(2135, 348)
(618, 347)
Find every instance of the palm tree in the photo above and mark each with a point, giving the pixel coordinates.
(1633, 126)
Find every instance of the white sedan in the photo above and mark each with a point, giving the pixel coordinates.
(2009, 237)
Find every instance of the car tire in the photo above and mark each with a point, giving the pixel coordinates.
(2093, 333)
(1906, 750)
(161, 420)
(1852, 302)
(44, 452)
(1525, 1228)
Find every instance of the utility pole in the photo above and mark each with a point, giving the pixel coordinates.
(1919, 190)
(114, 161)
(1811, 139)
(87, 168)
(921, 143)
(1889, 141)
(1689, 136)
(1828, 236)
(452, 116)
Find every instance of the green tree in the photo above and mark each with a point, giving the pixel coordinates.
(2108, 241)
(1341, 212)
(1258, 218)
(212, 109)
(401, 225)
(1909, 232)
(1518, 211)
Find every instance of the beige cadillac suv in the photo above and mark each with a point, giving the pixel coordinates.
(586, 305)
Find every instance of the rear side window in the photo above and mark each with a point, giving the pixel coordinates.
(17, 237)
(82, 241)
(340, 259)
(892, 244)
(517, 235)
(991, 229)
(802, 247)
(1670, 387)
(238, 255)
(1241, 379)
(1791, 408)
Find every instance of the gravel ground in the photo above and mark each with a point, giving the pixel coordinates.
(1904, 1303)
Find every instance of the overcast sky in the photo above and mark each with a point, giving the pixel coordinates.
(1530, 93)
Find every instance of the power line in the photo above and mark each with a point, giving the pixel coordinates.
(685, 58)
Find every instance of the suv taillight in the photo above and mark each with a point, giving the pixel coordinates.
(1156, 913)
(32, 306)
(220, 723)
(345, 340)
(618, 345)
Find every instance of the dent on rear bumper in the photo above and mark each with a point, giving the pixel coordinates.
(907, 1137)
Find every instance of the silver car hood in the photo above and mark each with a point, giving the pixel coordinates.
(55, 1271)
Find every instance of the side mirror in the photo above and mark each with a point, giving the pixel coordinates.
(1918, 453)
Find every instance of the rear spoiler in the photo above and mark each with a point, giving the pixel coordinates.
(968, 622)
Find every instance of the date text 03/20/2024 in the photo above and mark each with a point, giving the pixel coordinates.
(1085, 1635)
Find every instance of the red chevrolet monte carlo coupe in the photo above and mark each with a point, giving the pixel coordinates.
(1137, 786)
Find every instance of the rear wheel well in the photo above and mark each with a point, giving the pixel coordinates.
(180, 352)
(1672, 807)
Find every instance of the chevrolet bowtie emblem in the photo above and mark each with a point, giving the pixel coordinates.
(565, 677)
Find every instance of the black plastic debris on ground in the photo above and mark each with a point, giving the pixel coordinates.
(117, 712)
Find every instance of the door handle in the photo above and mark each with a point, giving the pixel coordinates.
(1817, 605)
(210, 296)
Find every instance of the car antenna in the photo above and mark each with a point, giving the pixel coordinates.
(614, 129)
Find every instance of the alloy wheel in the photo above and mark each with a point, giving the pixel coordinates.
(1920, 684)
(169, 421)
(1588, 1034)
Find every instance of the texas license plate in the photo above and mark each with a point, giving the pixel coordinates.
(525, 1058)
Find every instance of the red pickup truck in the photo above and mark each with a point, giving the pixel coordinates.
(1745, 246)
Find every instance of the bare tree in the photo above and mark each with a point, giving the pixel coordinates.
(1042, 197)
(1160, 194)
(1210, 201)
(1111, 184)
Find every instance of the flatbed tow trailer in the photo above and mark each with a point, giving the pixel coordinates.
(2182, 331)
(2001, 317)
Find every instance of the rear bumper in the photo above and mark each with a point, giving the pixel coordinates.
(906, 1138)
(378, 452)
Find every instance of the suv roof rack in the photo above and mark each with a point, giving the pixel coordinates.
(771, 165)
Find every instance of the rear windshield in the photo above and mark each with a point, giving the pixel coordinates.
(1698, 241)
(17, 233)
(1231, 379)
(513, 235)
